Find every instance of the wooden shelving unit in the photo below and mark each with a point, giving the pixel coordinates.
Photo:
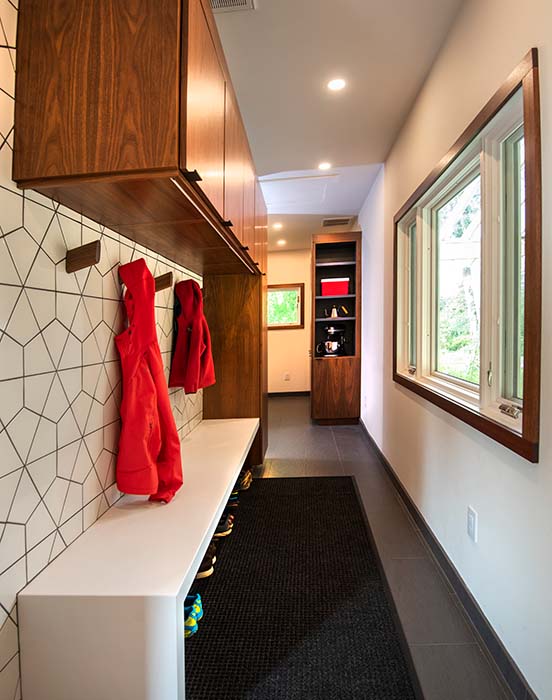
(335, 391)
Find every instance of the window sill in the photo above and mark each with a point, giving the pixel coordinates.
(473, 417)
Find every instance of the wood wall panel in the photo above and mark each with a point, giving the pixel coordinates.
(70, 54)
(203, 112)
(232, 310)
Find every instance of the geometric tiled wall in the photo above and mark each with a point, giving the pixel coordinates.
(59, 374)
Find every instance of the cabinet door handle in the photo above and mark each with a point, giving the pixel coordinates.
(227, 223)
(192, 176)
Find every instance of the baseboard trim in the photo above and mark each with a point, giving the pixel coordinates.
(275, 394)
(506, 667)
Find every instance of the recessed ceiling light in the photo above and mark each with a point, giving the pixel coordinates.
(278, 226)
(281, 242)
(324, 166)
(336, 84)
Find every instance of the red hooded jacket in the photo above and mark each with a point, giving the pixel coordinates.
(149, 459)
(192, 363)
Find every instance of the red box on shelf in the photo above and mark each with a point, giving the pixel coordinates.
(335, 286)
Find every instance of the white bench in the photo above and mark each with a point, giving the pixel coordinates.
(105, 620)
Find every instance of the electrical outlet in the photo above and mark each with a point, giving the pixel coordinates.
(472, 524)
(287, 376)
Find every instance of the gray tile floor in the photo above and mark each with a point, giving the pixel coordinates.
(447, 657)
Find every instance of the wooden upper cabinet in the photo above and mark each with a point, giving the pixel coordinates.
(204, 108)
(117, 104)
(234, 165)
(248, 237)
(261, 229)
(97, 87)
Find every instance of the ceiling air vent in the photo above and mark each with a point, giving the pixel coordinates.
(232, 5)
(344, 221)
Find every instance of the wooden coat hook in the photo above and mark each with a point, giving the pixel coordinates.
(83, 256)
(163, 281)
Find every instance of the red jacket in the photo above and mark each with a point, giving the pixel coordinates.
(192, 363)
(149, 447)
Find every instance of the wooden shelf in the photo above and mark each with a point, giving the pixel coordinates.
(339, 318)
(336, 296)
(351, 263)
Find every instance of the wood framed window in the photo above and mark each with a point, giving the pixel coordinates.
(286, 306)
(467, 272)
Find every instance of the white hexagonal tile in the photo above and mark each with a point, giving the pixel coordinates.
(12, 544)
(71, 229)
(54, 245)
(7, 104)
(22, 430)
(39, 557)
(57, 402)
(8, 487)
(94, 510)
(55, 336)
(72, 382)
(37, 358)
(26, 500)
(37, 219)
(81, 327)
(23, 249)
(66, 458)
(12, 399)
(11, 582)
(9, 297)
(44, 441)
(39, 525)
(43, 472)
(43, 273)
(72, 353)
(37, 388)
(81, 409)
(9, 23)
(11, 206)
(43, 305)
(73, 504)
(8, 273)
(22, 325)
(67, 307)
(55, 498)
(67, 429)
(71, 529)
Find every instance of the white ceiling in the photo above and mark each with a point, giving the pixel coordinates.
(282, 55)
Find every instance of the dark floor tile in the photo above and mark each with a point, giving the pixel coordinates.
(286, 468)
(395, 535)
(427, 610)
(455, 672)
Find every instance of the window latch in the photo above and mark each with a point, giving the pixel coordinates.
(490, 376)
(412, 370)
(510, 409)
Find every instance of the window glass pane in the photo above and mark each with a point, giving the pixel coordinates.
(283, 307)
(412, 295)
(514, 268)
(458, 283)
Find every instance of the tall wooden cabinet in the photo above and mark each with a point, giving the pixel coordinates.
(125, 112)
(336, 305)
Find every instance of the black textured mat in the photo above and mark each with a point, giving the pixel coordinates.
(296, 608)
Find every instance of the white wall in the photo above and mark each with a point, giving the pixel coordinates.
(288, 350)
(444, 464)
